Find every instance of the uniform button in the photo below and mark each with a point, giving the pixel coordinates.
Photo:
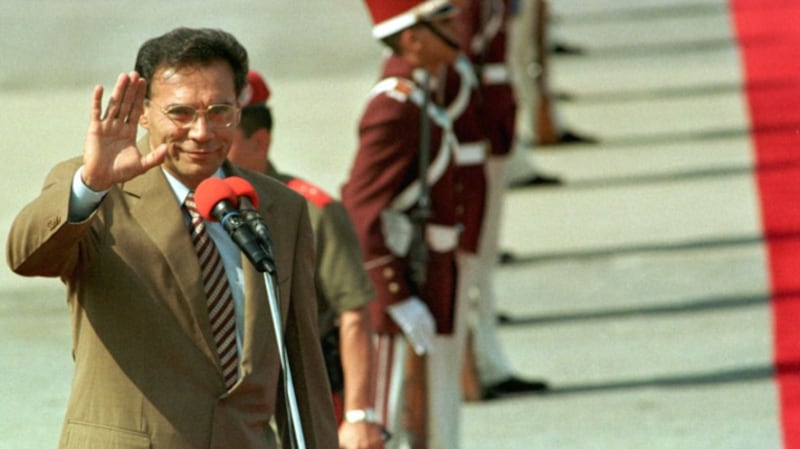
(394, 287)
(388, 273)
(459, 187)
(460, 210)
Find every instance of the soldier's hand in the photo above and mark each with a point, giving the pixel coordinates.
(110, 155)
(416, 322)
(360, 435)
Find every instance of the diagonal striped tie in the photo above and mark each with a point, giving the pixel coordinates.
(218, 293)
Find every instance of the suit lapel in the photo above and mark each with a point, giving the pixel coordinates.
(153, 204)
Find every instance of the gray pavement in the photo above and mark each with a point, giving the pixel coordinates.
(641, 290)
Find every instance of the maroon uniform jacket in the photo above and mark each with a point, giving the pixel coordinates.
(486, 41)
(461, 97)
(386, 163)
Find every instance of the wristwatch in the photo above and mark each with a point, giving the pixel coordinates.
(367, 415)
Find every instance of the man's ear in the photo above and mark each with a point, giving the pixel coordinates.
(410, 40)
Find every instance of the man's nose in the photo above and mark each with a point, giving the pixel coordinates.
(199, 128)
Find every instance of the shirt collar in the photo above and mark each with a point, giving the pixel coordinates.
(181, 190)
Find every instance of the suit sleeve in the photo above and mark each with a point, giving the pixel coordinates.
(385, 163)
(41, 241)
(303, 349)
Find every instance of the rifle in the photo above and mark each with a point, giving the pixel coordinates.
(418, 252)
(415, 414)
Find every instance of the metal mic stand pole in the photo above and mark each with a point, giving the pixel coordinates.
(265, 263)
(291, 397)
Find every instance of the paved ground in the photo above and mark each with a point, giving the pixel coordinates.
(641, 294)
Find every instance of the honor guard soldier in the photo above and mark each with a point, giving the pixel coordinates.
(538, 122)
(484, 23)
(402, 199)
(462, 98)
(343, 288)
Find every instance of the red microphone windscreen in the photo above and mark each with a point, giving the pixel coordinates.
(241, 187)
(210, 192)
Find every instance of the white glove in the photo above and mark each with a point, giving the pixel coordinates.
(416, 321)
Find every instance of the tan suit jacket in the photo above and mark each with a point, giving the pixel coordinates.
(146, 371)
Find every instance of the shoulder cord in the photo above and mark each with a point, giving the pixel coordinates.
(402, 89)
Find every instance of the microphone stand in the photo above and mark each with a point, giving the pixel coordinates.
(291, 398)
(267, 267)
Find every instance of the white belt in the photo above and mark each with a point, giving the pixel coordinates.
(495, 74)
(470, 153)
(442, 238)
(398, 233)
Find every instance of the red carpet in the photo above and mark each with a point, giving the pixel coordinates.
(768, 32)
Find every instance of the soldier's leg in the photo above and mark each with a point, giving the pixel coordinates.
(524, 68)
(491, 361)
(444, 388)
(416, 411)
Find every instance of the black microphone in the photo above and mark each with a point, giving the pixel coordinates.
(248, 202)
(216, 202)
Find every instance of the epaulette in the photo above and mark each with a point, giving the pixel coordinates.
(397, 88)
(312, 193)
(402, 90)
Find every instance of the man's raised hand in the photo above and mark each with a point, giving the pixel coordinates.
(110, 154)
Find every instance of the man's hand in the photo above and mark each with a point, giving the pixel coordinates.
(110, 155)
(416, 322)
(360, 435)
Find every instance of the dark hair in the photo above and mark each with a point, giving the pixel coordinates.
(184, 47)
(393, 42)
(255, 117)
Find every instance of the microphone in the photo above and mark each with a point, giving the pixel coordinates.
(216, 202)
(248, 202)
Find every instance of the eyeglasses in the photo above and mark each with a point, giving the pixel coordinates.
(217, 115)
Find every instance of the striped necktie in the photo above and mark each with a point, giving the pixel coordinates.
(218, 295)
